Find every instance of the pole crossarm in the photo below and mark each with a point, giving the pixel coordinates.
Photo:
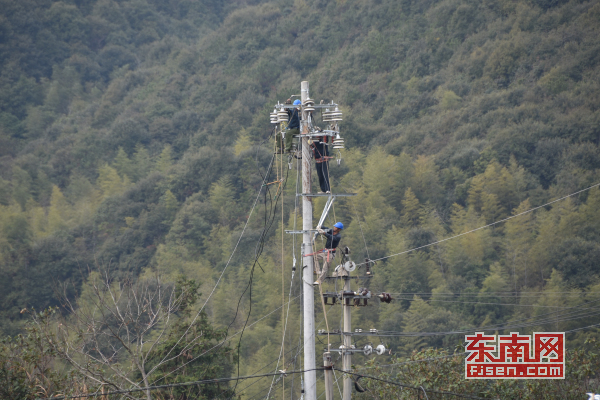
(291, 106)
(326, 194)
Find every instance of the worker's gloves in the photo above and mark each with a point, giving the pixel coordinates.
(321, 231)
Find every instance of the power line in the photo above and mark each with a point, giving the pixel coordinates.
(298, 350)
(465, 396)
(485, 226)
(556, 318)
(495, 294)
(218, 280)
(550, 320)
(172, 385)
(415, 361)
(223, 341)
(494, 304)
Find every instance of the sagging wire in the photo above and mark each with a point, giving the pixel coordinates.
(283, 340)
(172, 385)
(485, 226)
(299, 349)
(216, 284)
(417, 388)
(269, 220)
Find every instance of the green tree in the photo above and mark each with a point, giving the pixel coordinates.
(142, 165)
(165, 160)
(123, 164)
(411, 210)
(30, 368)
(110, 182)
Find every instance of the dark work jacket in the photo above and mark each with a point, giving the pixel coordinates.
(294, 119)
(332, 240)
(320, 149)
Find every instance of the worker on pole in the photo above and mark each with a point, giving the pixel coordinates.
(327, 254)
(321, 155)
(293, 126)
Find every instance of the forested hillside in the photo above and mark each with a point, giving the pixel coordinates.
(134, 135)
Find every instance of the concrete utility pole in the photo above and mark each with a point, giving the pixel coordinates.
(328, 376)
(346, 352)
(310, 376)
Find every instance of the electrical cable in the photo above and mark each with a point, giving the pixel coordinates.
(485, 226)
(284, 330)
(414, 361)
(269, 219)
(223, 341)
(550, 320)
(465, 396)
(299, 349)
(478, 302)
(495, 294)
(172, 385)
(216, 284)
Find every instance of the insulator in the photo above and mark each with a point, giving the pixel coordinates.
(385, 298)
(282, 116)
(380, 349)
(326, 115)
(309, 109)
(373, 330)
(368, 349)
(349, 265)
(336, 115)
(338, 141)
(309, 102)
(338, 146)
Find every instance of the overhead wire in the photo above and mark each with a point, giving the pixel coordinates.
(281, 351)
(171, 385)
(484, 303)
(418, 388)
(269, 220)
(299, 349)
(222, 342)
(569, 317)
(485, 226)
(218, 280)
(257, 255)
(495, 294)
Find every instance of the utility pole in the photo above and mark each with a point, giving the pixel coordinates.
(347, 335)
(328, 375)
(310, 376)
(332, 116)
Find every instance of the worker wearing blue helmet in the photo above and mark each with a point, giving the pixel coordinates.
(327, 254)
(293, 127)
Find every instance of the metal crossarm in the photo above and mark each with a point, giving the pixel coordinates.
(326, 194)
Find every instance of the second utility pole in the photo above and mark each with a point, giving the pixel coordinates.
(346, 353)
(310, 376)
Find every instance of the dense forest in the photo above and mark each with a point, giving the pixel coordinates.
(135, 138)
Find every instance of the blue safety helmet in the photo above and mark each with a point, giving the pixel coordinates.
(339, 225)
(297, 102)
